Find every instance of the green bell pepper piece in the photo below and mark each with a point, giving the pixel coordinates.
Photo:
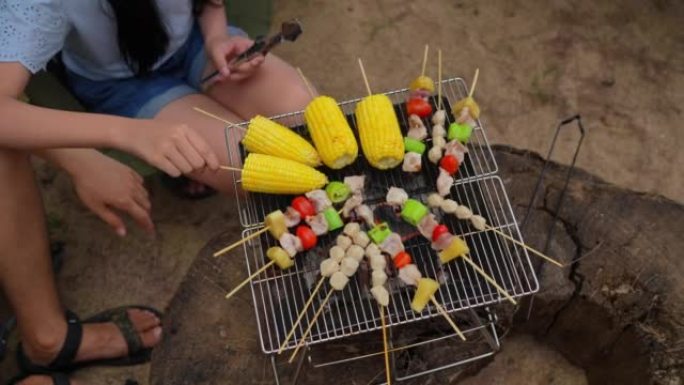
(337, 191)
(414, 145)
(414, 211)
(333, 218)
(379, 233)
(462, 132)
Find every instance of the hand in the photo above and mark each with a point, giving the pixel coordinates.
(175, 149)
(107, 187)
(222, 50)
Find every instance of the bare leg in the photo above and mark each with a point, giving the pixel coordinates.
(26, 275)
(274, 89)
(213, 131)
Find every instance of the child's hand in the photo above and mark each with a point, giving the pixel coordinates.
(175, 149)
(108, 187)
(224, 49)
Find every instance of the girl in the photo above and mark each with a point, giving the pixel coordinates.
(137, 65)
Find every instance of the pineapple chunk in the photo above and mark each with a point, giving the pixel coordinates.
(426, 289)
(457, 248)
(275, 222)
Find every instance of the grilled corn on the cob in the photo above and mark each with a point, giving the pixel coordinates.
(379, 131)
(273, 175)
(265, 136)
(330, 132)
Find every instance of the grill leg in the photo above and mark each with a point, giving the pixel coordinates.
(484, 331)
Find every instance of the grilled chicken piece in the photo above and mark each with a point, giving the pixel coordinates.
(435, 154)
(412, 162)
(343, 241)
(377, 262)
(372, 249)
(348, 266)
(361, 239)
(320, 200)
(292, 217)
(438, 130)
(417, 129)
(351, 229)
(392, 245)
(410, 275)
(291, 244)
(355, 252)
(355, 201)
(378, 278)
(438, 141)
(427, 225)
(355, 183)
(396, 196)
(336, 253)
(456, 149)
(366, 214)
(449, 206)
(435, 200)
(318, 224)
(479, 222)
(463, 212)
(444, 182)
(339, 281)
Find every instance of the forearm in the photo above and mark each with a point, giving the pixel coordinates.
(26, 127)
(213, 21)
(68, 159)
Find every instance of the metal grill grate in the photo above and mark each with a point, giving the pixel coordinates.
(279, 295)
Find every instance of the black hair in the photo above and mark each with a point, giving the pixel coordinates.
(141, 34)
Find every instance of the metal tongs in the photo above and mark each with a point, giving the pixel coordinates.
(289, 31)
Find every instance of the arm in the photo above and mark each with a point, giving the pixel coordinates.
(173, 148)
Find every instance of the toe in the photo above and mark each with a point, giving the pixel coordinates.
(151, 337)
(143, 320)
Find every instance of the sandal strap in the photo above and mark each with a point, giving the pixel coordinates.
(72, 342)
(60, 379)
(130, 334)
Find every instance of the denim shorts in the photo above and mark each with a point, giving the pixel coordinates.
(144, 97)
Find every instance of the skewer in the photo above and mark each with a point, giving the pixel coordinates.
(439, 79)
(444, 313)
(301, 314)
(425, 57)
(238, 243)
(531, 249)
(230, 168)
(384, 345)
(306, 83)
(248, 279)
(365, 78)
(489, 279)
(209, 114)
(472, 87)
(311, 324)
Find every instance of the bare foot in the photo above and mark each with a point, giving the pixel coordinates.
(103, 340)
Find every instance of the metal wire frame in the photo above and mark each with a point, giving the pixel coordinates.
(252, 208)
(279, 295)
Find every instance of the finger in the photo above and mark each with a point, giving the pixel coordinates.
(257, 61)
(203, 149)
(219, 57)
(168, 167)
(110, 218)
(140, 196)
(138, 178)
(179, 161)
(191, 155)
(239, 76)
(140, 216)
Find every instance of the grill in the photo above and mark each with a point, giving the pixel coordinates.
(280, 295)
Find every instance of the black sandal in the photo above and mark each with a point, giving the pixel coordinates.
(64, 362)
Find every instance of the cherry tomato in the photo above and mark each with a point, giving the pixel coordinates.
(307, 236)
(438, 231)
(303, 206)
(401, 259)
(420, 107)
(449, 163)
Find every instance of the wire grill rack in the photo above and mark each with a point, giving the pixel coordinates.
(279, 295)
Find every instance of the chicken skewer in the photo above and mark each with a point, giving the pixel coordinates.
(311, 324)
(450, 206)
(449, 246)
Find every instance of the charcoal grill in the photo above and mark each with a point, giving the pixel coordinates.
(278, 296)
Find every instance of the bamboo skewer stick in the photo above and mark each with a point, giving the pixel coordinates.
(489, 279)
(444, 313)
(529, 248)
(220, 119)
(306, 83)
(243, 240)
(388, 374)
(439, 79)
(472, 87)
(248, 279)
(425, 57)
(311, 324)
(230, 168)
(365, 78)
(301, 314)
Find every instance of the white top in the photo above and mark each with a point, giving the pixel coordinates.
(33, 31)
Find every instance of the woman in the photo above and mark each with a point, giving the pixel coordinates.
(137, 64)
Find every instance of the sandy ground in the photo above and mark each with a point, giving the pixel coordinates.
(620, 65)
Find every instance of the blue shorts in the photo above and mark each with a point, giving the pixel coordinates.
(144, 97)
